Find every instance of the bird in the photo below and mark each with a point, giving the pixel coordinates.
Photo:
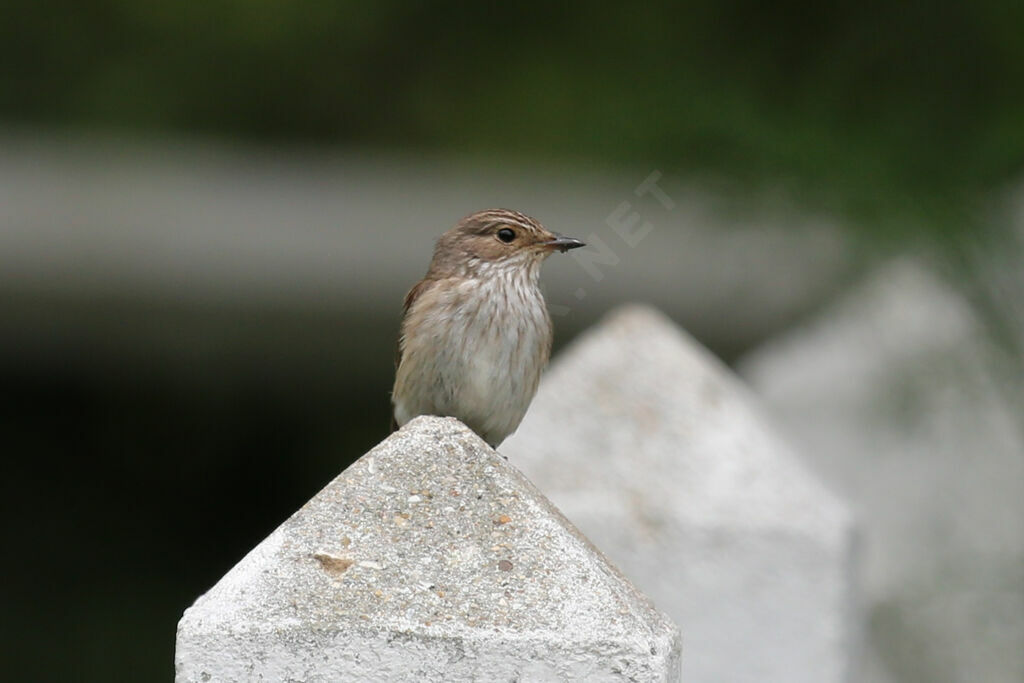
(476, 333)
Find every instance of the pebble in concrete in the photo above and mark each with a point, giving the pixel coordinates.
(429, 559)
(661, 456)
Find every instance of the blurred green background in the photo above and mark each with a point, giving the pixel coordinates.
(132, 488)
(879, 109)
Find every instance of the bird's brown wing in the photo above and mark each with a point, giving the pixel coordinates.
(410, 298)
(417, 290)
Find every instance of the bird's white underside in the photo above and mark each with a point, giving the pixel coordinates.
(475, 350)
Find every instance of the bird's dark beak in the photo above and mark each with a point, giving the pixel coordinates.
(563, 243)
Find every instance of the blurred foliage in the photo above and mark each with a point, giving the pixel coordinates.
(897, 113)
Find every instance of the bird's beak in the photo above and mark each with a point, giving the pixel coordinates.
(563, 243)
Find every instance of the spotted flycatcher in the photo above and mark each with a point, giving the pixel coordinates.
(476, 332)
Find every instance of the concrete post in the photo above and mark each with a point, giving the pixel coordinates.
(656, 451)
(429, 559)
(902, 397)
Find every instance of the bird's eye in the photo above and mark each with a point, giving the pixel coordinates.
(506, 235)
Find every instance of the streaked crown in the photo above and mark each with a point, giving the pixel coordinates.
(493, 236)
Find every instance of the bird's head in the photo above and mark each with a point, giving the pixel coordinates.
(497, 238)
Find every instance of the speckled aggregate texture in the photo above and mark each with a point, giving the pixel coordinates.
(429, 559)
(661, 456)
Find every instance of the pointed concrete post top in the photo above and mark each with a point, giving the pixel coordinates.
(637, 414)
(430, 541)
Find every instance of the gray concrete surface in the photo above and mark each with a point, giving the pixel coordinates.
(898, 397)
(429, 559)
(663, 458)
